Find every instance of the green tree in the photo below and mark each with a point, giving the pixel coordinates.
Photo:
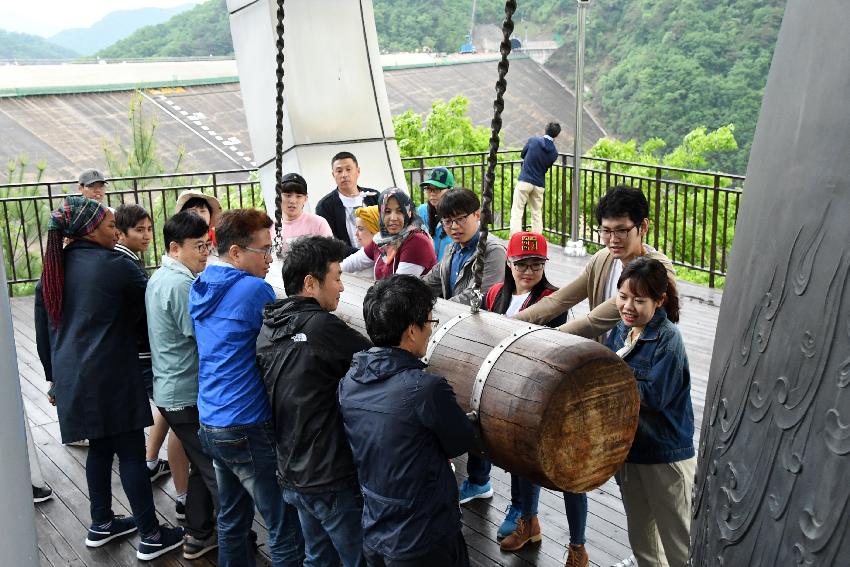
(682, 199)
(22, 222)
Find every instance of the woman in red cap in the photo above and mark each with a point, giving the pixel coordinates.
(525, 284)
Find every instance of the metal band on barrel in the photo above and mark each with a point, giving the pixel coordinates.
(490, 361)
(442, 332)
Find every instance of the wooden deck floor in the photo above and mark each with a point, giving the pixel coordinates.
(61, 522)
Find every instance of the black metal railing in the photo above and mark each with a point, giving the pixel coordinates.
(25, 211)
(692, 212)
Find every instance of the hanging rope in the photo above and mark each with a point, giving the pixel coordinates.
(495, 128)
(278, 158)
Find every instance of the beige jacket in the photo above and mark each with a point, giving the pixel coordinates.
(589, 285)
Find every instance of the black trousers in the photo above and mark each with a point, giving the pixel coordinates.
(451, 552)
(202, 496)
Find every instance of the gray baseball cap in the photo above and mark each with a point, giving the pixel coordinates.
(90, 176)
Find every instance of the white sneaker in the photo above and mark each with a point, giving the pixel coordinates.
(629, 561)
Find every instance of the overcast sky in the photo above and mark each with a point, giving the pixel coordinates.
(47, 17)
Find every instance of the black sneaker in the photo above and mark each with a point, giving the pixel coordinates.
(180, 510)
(41, 493)
(161, 469)
(118, 527)
(194, 547)
(169, 538)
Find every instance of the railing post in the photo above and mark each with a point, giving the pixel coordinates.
(657, 205)
(715, 203)
(563, 199)
(607, 175)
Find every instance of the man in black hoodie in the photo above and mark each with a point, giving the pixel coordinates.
(303, 351)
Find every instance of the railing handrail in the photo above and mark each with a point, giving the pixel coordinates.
(693, 219)
(129, 178)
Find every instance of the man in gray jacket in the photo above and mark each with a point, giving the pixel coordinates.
(453, 278)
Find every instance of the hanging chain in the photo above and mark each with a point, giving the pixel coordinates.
(278, 158)
(495, 128)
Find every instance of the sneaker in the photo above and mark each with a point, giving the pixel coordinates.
(180, 510)
(161, 469)
(41, 493)
(527, 531)
(469, 491)
(169, 538)
(118, 527)
(194, 547)
(629, 561)
(80, 443)
(509, 524)
(577, 556)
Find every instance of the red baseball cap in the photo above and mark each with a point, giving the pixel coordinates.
(527, 245)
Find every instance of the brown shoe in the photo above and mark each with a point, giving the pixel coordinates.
(526, 531)
(577, 556)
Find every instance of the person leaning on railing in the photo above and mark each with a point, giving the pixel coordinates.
(623, 217)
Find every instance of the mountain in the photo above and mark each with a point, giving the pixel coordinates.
(654, 69)
(23, 46)
(200, 32)
(662, 68)
(114, 27)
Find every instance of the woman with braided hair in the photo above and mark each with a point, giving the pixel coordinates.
(88, 309)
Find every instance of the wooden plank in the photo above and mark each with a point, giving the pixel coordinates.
(52, 545)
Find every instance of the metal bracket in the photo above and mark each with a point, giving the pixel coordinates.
(490, 361)
(440, 333)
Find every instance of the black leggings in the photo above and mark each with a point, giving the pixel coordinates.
(130, 448)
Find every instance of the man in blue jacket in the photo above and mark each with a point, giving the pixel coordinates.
(403, 425)
(538, 155)
(226, 304)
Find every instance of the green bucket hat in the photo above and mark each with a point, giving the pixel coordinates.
(439, 177)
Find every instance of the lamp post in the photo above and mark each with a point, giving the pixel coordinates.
(574, 246)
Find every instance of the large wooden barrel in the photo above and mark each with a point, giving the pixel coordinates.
(558, 409)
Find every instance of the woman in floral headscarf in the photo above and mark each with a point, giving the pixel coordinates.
(401, 246)
(89, 306)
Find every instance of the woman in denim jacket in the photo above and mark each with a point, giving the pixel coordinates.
(657, 477)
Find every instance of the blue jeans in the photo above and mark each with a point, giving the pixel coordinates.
(478, 469)
(525, 495)
(331, 523)
(246, 473)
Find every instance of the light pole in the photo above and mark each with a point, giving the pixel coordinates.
(575, 247)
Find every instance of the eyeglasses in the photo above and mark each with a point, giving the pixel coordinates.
(266, 252)
(434, 189)
(202, 247)
(523, 267)
(460, 221)
(606, 233)
(434, 322)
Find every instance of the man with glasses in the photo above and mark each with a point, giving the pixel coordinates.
(453, 278)
(174, 358)
(404, 424)
(303, 351)
(623, 217)
(226, 304)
